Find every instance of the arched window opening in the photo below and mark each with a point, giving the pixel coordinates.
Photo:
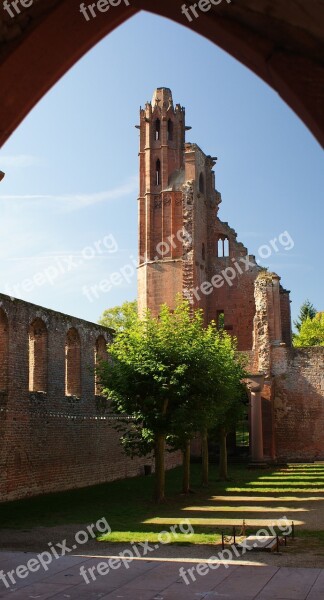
(223, 247)
(157, 129)
(101, 354)
(220, 319)
(201, 183)
(4, 350)
(73, 363)
(38, 356)
(203, 251)
(170, 130)
(158, 172)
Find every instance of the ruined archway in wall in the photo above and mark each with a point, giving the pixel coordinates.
(279, 41)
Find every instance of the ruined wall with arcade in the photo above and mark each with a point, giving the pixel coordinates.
(55, 429)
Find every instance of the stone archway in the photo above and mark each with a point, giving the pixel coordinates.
(281, 41)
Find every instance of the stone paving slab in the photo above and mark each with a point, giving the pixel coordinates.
(255, 579)
(53, 570)
(290, 583)
(160, 580)
(84, 592)
(317, 591)
(41, 591)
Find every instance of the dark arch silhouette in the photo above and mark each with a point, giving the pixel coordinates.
(280, 41)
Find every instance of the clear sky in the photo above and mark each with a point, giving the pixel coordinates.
(69, 199)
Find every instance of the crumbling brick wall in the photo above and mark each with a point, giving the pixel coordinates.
(299, 403)
(50, 440)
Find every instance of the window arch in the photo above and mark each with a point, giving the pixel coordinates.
(101, 354)
(170, 130)
(38, 356)
(223, 247)
(72, 363)
(158, 172)
(4, 350)
(157, 130)
(220, 319)
(201, 183)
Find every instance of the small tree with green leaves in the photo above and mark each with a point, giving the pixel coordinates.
(311, 332)
(307, 311)
(119, 317)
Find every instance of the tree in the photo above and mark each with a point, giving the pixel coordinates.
(166, 377)
(311, 332)
(147, 380)
(119, 317)
(233, 411)
(307, 310)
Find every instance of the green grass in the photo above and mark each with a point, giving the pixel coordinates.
(132, 516)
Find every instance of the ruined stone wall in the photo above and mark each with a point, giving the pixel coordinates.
(50, 440)
(299, 403)
(234, 288)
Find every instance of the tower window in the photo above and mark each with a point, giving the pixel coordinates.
(170, 130)
(203, 251)
(157, 129)
(158, 172)
(223, 247)
(201, 183)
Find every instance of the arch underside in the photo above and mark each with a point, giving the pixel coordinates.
(280, 41)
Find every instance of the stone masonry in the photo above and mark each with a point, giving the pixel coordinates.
(55, 431)
(186, 250)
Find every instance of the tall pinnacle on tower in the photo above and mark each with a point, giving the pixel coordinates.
(163, 98)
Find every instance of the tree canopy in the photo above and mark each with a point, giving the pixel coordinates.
(169, 377)
(311, 332)
(307, 310)
(119, 317)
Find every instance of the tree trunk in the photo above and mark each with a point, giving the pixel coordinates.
(159, 490)
(223, 455)
(205, 458)
(186, 468)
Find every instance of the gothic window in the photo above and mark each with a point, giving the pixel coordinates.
(223, 247)
(170, 130)
(158, 172)
(4, 350)
(101, 354)
(201, 183)
(72, 363)
(38, 356)
(157, 129)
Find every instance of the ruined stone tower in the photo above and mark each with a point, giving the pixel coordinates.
(184, 248)
(162, 138)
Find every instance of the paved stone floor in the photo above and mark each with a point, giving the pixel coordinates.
(157, 580)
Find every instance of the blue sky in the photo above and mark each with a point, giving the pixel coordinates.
(69, 199)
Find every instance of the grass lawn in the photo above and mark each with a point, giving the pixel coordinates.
(261, 497)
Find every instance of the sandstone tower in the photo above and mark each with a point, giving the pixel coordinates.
(184, 248)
